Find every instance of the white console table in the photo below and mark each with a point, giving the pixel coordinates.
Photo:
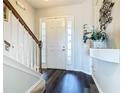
(106, 69)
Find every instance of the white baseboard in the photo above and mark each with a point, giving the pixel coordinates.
(82, 71)
(44, 66)
(98, 86)
(89, 73)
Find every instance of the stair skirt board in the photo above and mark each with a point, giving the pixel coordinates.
(38, 87)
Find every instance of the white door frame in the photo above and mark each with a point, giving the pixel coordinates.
(68, 67)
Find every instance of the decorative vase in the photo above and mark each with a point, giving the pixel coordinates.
(98, 44)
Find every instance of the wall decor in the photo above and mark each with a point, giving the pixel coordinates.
(6, 13)
(18, 3)
(105, 14)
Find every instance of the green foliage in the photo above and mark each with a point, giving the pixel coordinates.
(94, 35)
(98, 35)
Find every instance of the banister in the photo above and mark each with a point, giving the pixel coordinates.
(10, 7)
(8, 4)
(40, 58)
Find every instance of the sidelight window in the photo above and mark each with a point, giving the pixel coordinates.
(43, 28)
(69, 41)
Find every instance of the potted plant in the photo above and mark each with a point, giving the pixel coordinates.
(99, 39)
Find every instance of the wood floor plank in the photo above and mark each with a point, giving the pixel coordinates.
(61, 81)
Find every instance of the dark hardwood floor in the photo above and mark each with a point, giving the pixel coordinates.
(61, 81)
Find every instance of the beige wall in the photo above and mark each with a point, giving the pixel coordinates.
(83, 15)
(28, 15)
(113, 29)
(81, 12)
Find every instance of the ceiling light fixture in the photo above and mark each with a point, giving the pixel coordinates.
(46, 0)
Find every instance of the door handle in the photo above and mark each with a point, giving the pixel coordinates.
(63, 48)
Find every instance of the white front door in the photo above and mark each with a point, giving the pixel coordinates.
(56, 43)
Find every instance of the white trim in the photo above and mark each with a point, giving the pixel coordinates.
(54, 17)
(82, 71)
(42, 19)
(98, 86)
(107, 55)
(31, 88)
(16, 65)
(89, 73)
(44, 65)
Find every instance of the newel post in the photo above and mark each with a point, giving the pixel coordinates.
(40, 56)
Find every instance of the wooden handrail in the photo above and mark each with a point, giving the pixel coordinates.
(8, 4)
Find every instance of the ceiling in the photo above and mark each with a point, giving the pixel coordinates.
(52, 3)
